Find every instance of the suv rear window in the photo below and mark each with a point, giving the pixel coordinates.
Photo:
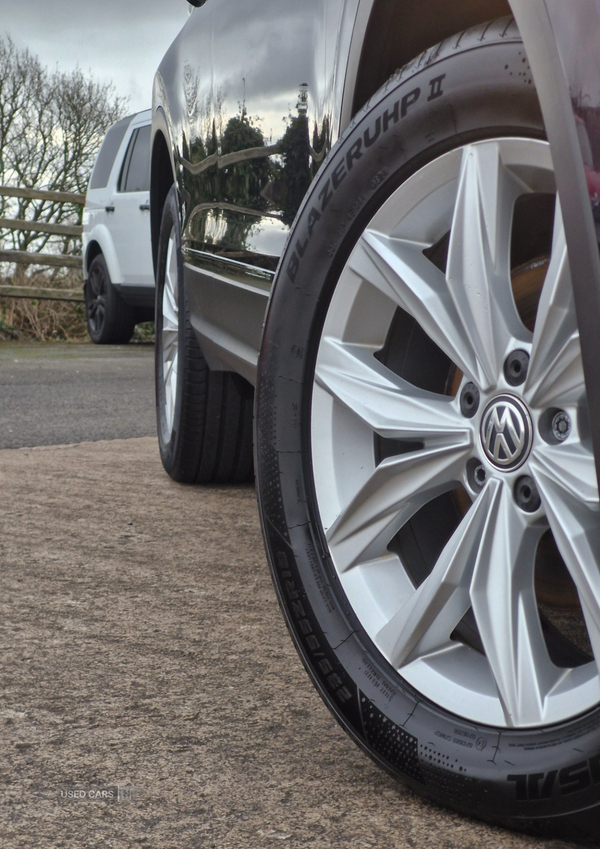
(135, 176)
(108, 151)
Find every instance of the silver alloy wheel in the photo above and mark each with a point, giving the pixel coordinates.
(486, 568)
(170, 332)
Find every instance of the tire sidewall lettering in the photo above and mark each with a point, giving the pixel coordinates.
(340, 170)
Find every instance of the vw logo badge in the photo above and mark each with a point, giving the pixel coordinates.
(506, 432)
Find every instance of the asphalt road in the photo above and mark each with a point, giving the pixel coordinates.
(142, 648)
(58, 393)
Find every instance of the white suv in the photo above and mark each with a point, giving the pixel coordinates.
(117, 255)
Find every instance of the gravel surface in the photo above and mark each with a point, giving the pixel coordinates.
(56, 393)
(142, 647)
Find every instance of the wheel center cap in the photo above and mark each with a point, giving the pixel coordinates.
(506, 432)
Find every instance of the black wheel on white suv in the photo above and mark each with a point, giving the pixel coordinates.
(425, 476)
(110, 320)
(204, 417)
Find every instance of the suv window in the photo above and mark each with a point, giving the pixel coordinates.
(108, 151)
(135, 175)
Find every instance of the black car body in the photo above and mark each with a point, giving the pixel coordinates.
(296, 149)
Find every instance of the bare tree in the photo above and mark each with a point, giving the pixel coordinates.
(51, 128)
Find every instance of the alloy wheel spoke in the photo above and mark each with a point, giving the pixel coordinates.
(571, 466)
(555, 370)
(169, 350)
(505, 607)
(398, 487)
(168, 370)
(399, 269)
(170, 332)
(391, 406)
(170, 379)
(170, 310)
(169, 317)
(426, 621)
(170, 335)
(470, 311)
(478, 269)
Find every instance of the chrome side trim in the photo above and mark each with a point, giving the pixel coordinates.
(232, 269)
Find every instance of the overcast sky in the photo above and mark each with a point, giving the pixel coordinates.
(121, 41)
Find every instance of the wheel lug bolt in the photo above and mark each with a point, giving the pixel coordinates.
(527, 495)
(561, 426)
(476, 474)
(515, 367)
(469, 400)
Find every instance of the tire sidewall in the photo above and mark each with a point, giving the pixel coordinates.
(537, 779)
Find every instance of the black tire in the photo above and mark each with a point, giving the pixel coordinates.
(110, 320)
(210, 438)
(542, 779)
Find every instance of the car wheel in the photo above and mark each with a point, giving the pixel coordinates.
(424, 469)
(110, 320)
(204, 417)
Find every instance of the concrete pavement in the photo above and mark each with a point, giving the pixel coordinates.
(142, 648)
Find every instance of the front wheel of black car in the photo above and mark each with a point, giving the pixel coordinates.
(204, 417)
(425, 476)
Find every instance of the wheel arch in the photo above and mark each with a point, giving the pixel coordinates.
(92, 251)
(100, 242)
(390, 43)
(162, 177)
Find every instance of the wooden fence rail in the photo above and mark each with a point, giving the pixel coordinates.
(41, 227)
(49, 260)
(41, 294)
(42, 194)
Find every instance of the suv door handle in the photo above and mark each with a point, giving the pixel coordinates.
(145, 205)
(109, 208)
